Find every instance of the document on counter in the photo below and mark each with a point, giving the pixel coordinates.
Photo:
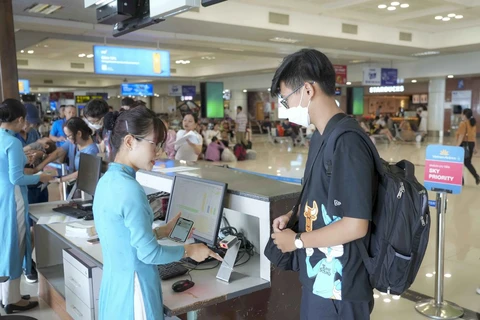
(56, 219)
(192, 136)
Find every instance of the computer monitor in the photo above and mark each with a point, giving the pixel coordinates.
(88, 173)
(201, 201)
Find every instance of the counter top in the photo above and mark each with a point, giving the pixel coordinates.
(239, 183)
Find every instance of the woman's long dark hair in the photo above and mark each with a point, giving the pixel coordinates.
(138, 122)
(469, 115)
(11, 110)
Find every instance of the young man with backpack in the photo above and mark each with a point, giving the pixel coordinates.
(362, 223)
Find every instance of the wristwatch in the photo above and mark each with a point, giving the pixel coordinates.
(298, 241)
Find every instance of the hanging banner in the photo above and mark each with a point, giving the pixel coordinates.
(340, 74)
(389, 77)
(372, 76)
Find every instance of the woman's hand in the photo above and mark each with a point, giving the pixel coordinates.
(199, 252)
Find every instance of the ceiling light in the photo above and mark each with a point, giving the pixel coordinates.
(182, 61)
(459, 17)
(45, 45)
(284, 40)
(414, 81)
(382, 6)
(30, 52)
(245, 90)
(81, 55)
(89, 56)
(22, 51)
(448, 275)
(426, 53)
(270, 167)
(451, 15)
(348, 83)
(404, 5)
(450, 76)
(395, 3)
(37, 8)
(391, 8)
(51, 9)
(446, 19)
(438, 18)
(269, 89)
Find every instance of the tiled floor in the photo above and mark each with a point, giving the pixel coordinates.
(462, 251)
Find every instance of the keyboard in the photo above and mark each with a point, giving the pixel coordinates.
(72, 212)
(171, 270)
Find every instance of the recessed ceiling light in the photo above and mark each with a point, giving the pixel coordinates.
(269, 89)
(45, 45)
(414, 81)
(30, 52)
(404, 5)
(283, 40)
(450, 76)
(89, 56)
(43, 8)
(451, 15)
(51, 9)
(348, 83)
(382, 6)
(446, 19)
(81, 55)
(245, 90)
(438, 18)
(22, 51)
(391, 8)
(459, 17)
(426, 53)
(395, 3)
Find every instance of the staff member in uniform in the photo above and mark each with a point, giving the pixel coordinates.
(130, 286)
(335, 208)
(14, 231)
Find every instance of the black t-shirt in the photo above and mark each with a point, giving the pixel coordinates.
(337, 272)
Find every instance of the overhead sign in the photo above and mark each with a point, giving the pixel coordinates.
(189, 91)
(86, 99)
(389, 77)
(444, 168)
(175, 90)
(340, 74)
(372, 76)
(23, 86)
(386, 89)
(136, 89)
(131, 61)
(462, 97)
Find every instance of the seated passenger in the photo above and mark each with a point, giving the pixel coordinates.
(214, 150)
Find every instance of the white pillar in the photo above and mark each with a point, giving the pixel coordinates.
(238, 98)
(436, 101)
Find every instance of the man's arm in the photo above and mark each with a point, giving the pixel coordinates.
(340, 232)
(60, 152)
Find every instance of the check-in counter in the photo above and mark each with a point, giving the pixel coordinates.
(70, 269)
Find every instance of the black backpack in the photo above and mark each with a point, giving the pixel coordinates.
(400, 224)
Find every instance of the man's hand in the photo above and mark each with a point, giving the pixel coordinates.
(285, 240)
(281, 222)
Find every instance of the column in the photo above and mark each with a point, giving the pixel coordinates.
(436, 101)
(238, 98)
(8, 54)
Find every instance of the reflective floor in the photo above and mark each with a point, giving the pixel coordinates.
(462, 245)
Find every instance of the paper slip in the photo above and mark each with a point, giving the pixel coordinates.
(56, 219)
(192, 136)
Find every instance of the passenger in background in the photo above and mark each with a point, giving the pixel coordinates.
(214, 150)
(466, 138)
(57, 134)
(190, 148)
(14, 222)
(93, 113)
(44, 128)
(29, 134)
(127, 103)
(423, 114)
(210, 134)
(131, 287)
(241, 123)
(169, 145)
(267, 125)
(380, 127)
(289, 132)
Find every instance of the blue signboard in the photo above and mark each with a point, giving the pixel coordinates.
(23, 86)
(389, 77)
(136, 89)
(53, 105)
(444, 168)
(131, 61)
(189, 91)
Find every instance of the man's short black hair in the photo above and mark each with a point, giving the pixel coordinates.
(304, 66)
(96, 108)
(128, 102)
(240, 107)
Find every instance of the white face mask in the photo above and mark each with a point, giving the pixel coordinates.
(92, 126)
(299, 115)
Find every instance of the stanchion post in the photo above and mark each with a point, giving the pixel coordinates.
(437, 308)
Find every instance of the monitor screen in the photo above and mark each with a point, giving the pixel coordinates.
(201, 201)
(89, 173)
(136, 89)
(23, 86)
(131, 61)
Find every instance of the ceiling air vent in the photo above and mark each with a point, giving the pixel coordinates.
(405, 36)
(82, 82)
(278, 18)
(349, 28)
(75, 65)
(48, 81)
(22, 62)
(173, 70)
